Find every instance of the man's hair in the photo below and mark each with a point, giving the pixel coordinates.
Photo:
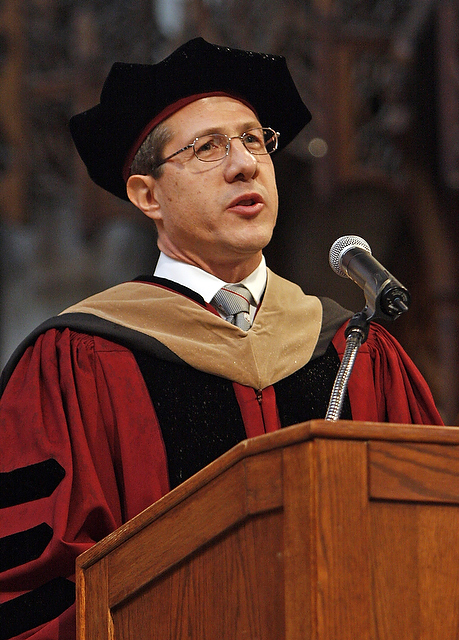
(150, 152)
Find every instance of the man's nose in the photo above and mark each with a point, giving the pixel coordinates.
(240, 163)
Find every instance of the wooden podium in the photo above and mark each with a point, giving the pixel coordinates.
(321, 531)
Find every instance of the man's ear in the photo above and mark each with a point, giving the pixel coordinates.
(141, 192)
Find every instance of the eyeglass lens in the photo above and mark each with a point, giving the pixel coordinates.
(215, 146)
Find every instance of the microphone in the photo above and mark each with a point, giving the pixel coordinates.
(386, 298)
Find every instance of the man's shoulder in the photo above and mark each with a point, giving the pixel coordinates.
(86, 327)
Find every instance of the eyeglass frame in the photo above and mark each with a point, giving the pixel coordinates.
(276, 134)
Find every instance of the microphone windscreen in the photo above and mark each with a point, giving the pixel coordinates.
(339, 248)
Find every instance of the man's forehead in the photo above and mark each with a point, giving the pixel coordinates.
(167, 115)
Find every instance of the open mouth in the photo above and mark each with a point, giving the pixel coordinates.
(248, 200)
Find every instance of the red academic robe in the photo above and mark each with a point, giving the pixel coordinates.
(80, 401)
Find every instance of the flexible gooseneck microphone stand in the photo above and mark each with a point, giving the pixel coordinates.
(356, 333)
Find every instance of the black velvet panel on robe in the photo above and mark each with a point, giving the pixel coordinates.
(199, 415)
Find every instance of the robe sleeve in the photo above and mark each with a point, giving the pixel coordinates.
(385, 385)
(81, 453)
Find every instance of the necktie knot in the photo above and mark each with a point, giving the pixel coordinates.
(233, 301)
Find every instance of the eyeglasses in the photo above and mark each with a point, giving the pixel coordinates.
(215, 146)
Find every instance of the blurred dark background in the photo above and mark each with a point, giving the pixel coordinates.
(380, 158)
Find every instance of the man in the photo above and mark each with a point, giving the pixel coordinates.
(127, 394)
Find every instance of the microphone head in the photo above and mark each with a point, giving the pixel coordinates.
(339, 248)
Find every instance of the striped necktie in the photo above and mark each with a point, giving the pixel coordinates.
(232, 301)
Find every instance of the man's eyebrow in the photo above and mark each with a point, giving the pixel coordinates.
(223, 129)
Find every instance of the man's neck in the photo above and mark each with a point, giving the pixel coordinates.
(205, 283)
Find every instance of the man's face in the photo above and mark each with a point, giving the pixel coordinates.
(215, 215)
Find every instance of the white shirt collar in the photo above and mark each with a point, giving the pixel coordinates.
(205, 284)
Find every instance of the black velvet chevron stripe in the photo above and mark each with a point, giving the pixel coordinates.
(206, 420)
(29, 483)
(305, 394)
(24, 546)
(36, 607)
